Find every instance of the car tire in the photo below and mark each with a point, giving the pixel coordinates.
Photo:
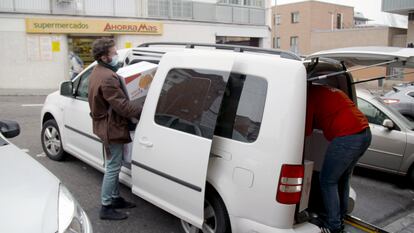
(410, 176)
(52, 141)
(215, 216)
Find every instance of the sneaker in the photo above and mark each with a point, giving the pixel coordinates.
(120, 203)
(318, 222)
(327, 230)
(109, 213)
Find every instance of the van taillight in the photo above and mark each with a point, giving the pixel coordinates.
(290, 184)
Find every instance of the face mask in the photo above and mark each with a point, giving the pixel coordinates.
(114, 61)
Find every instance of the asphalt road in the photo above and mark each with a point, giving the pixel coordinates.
(381, 198)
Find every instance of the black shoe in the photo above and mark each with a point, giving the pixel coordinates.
(109, 213)
(120, 203)
(318, 222)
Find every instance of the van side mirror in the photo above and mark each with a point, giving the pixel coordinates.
(387, 123)
(9, 129)
(66, 89)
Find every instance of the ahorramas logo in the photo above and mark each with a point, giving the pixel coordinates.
(130, 28)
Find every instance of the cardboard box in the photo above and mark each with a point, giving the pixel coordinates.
(306, 187)
(137, 79)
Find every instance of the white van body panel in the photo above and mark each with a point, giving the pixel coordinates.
(262, 159)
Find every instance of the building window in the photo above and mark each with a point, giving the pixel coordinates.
(294, 41)
(339, 19)
(277, 42)
(277, 19)
(294, 17)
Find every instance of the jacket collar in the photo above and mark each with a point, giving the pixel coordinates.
(113, 68)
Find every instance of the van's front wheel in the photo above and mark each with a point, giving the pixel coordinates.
(215, 217)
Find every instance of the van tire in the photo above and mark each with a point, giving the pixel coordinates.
(52, 141)
(217, 220)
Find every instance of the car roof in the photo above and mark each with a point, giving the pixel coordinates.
(364, 94)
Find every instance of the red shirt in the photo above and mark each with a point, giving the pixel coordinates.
(331, 110)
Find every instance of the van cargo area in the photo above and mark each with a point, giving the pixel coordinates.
(314, 152)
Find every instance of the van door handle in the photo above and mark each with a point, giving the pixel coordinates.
(145, 142)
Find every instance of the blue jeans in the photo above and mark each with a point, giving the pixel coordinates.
(340, 159)
(113, 164)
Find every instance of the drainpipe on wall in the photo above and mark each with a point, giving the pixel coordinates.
(332, 20)
(268, 22)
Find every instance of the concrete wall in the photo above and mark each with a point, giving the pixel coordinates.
(397, 37)
(347, 38)
(375, 36)
(18, 70)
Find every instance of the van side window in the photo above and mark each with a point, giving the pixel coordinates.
(242, 108)
(190, 100)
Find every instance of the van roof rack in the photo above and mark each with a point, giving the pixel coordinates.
(235, 48)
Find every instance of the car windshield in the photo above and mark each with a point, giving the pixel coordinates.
(2, 141)
(404, 120)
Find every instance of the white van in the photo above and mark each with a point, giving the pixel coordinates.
(220, 143)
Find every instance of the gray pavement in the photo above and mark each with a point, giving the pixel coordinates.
(402, 225)
(25, 92)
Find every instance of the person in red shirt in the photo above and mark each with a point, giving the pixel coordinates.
(332, 111)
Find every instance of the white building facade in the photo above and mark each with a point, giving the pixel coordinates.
(37, 35)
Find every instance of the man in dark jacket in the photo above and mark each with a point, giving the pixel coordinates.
(110, 110)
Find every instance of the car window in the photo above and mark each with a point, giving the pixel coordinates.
(81, 85)
(190, 100)
(3, 142)
(241, 111)
(373, 114)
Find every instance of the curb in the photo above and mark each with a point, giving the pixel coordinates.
(403, 225)
(25, 92)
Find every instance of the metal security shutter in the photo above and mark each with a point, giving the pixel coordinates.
(240, 15)
(125, 8)
(204, 11)
(34, 6)
(6, 5)
(99, 7)
(257, 16)
(69, 8)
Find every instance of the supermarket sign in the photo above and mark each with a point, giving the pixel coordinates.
(85, 26)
